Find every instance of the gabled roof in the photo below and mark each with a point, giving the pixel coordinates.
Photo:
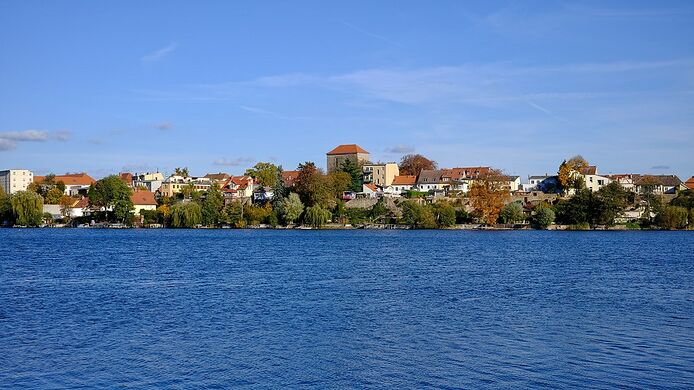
(143, 198)
(347, 149)
(289, 177)
(404, 180)
(690, 183)
(217, 176)
(70, 179)
(663, 180)
(429, 176)
(127, 177)
(464, 172)
(589, 170)
(371, 186)
(81, 204)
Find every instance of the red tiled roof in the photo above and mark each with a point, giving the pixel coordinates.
(405, 180)
(289, 177)
(690, 183)
(465, 172)
(372, 187)
(126, 177)
(71, 179)
(143, 198)
(347, 149)
(81, 204)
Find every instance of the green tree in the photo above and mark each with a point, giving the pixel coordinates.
(291, 208)
(612, 201)
(5, 208)
(255, 215)
(417, 216)
(444, 213)
(27, 208)
(266, 174)
(212, 206)
(356, 177)
(181, 172)
(186, 215)
(543, 218)
(512, 213)
(338, 183)
(53, 196)
(378, 211)
(311, 185)
(316, 216)
(672, 217)
(234, 213)
(684, 199)
(112, 192)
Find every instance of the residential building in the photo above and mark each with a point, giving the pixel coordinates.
(238, 187)
(341, 153)
(218, 178)
(143, 200)
(150, 180)
(127, 178)
(658, 184)
(75, 183)
(513, 183)
(371, 190)
(690, 183)
(289, 178)
(263, 194)
(14, 180)
(456, 174)
(593, 181)
(174, 184)
(78, 208)
(430, 180)
(401, 184)
(380, 174)
(544, 183)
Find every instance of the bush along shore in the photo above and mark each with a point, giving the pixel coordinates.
(316, 200)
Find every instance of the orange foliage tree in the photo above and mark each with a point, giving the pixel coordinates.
(488, 195)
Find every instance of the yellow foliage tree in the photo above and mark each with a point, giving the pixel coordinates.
(489, 194)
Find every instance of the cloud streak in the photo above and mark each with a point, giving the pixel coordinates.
(234, 162)
(400, 149)
(159, 54)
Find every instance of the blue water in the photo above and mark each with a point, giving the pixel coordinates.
(345, 309)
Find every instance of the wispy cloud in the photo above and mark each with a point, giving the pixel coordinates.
(7, 145)
(257, 110)
(25, 136)
(63, 135)
(660, 167)
(163, 126)
(400, 149)
(160, 53)
(234, 162)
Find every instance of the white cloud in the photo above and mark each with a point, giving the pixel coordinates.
(234, 162)
(400, 149)
(160, 53)
(7, 145)
(25, 136)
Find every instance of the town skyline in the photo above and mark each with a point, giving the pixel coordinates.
(519, 88)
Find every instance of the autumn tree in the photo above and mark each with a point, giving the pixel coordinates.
(412, 164)
(266, 174)
(339, 182)
(568, 169)
(311, 186)
(488, 195)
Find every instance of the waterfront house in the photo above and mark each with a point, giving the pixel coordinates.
(174, 184)
(143, 200)
(593, 181)
(238, 187)
(380, 174)
(79, 208)
(400, 185)
(430, 180)
(263, 194)
(658, 184)
(341, 153)
(75, 183)
(14, 180)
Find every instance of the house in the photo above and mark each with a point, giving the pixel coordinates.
(263, 194)
(370, 190)
(151, 181)
(143, 200)
(690, 183)
(127, 178)
(78, 208)
(218, 178)
(342, 153)
(14, 180)
(238, 187)
(457, 174)
(658, 184)
(513, 183)
(430, 180)
(626, 180)
(544, 183)
(400, 185)
(380, 174)
(592, 180)
(75, 183)
(174, 184)
(289, 178)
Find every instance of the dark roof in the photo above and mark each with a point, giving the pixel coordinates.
(429, 176)
(589, 170)
(664, 180)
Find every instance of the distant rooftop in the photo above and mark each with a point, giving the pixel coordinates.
(347, 149)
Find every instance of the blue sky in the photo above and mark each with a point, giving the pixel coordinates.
(216, 86)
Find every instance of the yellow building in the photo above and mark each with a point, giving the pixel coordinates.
(380, 174)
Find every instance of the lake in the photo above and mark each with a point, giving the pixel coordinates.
(345, 309)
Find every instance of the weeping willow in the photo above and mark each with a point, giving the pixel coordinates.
(316, 216)
(27, 208)
(186, 215)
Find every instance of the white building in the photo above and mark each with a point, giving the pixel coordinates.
(150, 180)
(14, 180)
